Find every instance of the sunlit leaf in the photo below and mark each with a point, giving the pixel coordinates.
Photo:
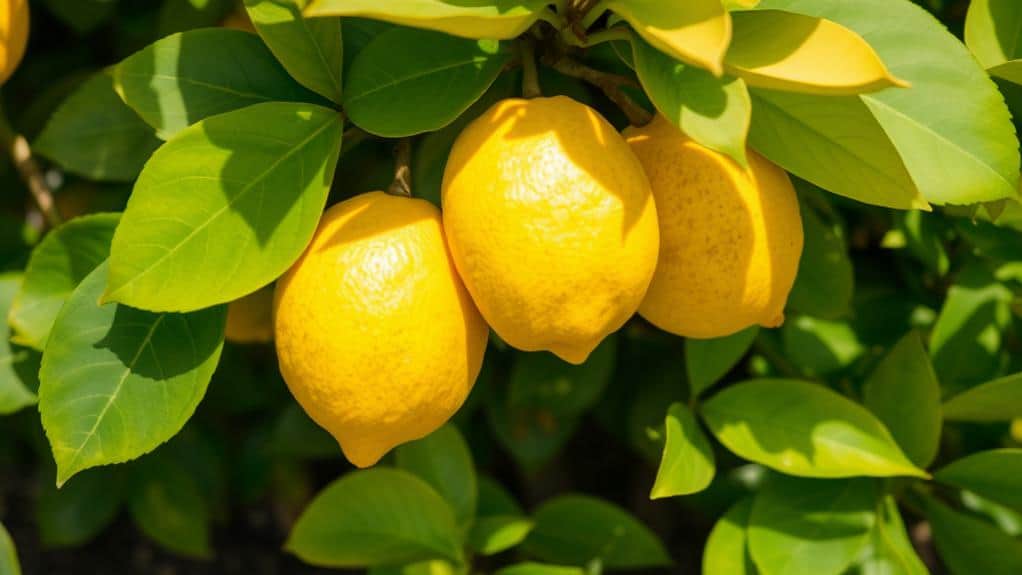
(443, 460)
(694, 31)
(688, 464)
(997, 400)
(995, 474)
(727, 549)
(18, 365)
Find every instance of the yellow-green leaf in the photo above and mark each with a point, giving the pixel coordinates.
(694, 31)
(499, 19)
(787, 51)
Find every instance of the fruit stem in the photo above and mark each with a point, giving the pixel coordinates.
(611, 85)
(21, 155)
(530, 75)
(402, 184)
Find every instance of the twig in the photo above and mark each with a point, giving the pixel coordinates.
(530, 75)
(611, 85)
(402, 184)
(21, 155)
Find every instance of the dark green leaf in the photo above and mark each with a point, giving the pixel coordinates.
(575, 530)
(58, 264)
(688, 464)
(309, 48)
(998, 400)
(497, 533)
(248, 189)
(800, 526)
(84, 506)
(445, 74)
(804, 429)
(707, 360)
(376, 517)
(903, 392)
(494, 500)
(970, 546)
(995, 474)
(443, 460)
(83, 16)
(541, 380)
(825, 282)
(727, 549)
(181, 15)
(819, 346)
(95, 135)
(18, 366)
(116, 382)
(712, 111)
(975, 136)
(186, 77)
(296, 435)
(166, 505)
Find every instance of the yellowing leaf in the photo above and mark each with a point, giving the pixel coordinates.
(694, 31)
(787, 51)
(500, 19)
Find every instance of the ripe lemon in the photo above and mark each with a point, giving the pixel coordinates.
(13, 35)
(376, 336)
(551, 224)
(730, 238)
(250, 319)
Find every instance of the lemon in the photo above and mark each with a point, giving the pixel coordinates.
(376, 336)
(730, 238)
(13, 36)
(551, 224)
(250, 319)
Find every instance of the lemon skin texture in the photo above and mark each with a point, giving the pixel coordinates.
(730, 238)
(376, 336)
(13, 35)
(551, 223)
(250, 319)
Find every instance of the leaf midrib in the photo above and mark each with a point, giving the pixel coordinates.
(404, 79)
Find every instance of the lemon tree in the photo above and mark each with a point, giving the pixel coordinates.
(517, 287)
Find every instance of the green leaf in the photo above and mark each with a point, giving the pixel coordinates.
(966, 341)
(820, 347)
(835, 143)
(541, 380)
(903, 392)
(891, 552)
(801, 526)
(970, 546)
(18, 366)
(998, 400)
(84, 506)
(804, 429)
(181, 15)
(9, 555)
(58, 264)
(688, 464)
(295, 435)
(695, 31)
(446, 74)
(708, 360)
(712, 111)
(498, 533)
(376, 517)
(494, 500)
(575, 529)
(248, 188)
(922, 239)
(93, 134)
(500, 19)
(530, 568)
(309, 48)
(993, 31)
(116, 382)
(531, 435)
(167, 506)
(186, 77)
(825, 281)
(442, 460)
(975, 135)
(358, 33)
(727, 549)
(995, 474)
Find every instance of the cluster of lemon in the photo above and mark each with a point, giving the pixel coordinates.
(556, 229)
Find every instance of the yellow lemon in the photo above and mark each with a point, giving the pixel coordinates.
(551, 224)
(13, 35)
(730, 238)
(376, 336)
(250, 319)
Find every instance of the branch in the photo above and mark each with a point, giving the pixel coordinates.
(611, 85)
(21, 155)
(402, 184)
(530, 75)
